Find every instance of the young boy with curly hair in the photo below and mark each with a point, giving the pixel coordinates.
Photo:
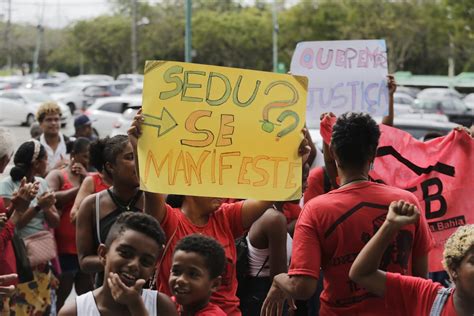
(129, 256)
(406, 295)
(198, 263)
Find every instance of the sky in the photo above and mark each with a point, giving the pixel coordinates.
(53, 13)
(59, 13)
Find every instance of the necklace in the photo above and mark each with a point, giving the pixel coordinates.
(356, 180)
(124, 206)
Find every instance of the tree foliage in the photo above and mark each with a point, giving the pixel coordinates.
(234, 33)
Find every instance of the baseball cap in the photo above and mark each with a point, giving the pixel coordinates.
(82, 120)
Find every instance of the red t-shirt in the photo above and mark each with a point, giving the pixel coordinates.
(406, 295)
(65, 233)
(225, 225)
(211, 310)
(334, 227)
(99, 184)
(315, 184)
(291, 211)
(7, 254)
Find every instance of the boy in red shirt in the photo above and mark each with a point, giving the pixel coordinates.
(198, 263)
(405, 295)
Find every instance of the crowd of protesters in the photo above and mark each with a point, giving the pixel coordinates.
(72, 215)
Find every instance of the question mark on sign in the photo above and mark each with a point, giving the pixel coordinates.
(269, 126)
(291, 127)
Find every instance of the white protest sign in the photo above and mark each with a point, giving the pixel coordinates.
(343, 76)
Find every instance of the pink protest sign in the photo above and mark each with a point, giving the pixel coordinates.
(343, 76)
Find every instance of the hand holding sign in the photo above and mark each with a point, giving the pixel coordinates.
(221, 131)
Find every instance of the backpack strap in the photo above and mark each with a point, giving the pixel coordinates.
(97, 215)
(440, 300)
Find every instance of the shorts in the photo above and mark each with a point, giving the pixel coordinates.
(69, 263)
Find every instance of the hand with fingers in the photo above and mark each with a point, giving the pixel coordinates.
(46, 200)
(3, 220)
(26, 193)
(135, 130)
(391, 84)
(78, 169)
(7, 290)
(275, 301)
(122, 294)
(401, 213)
(304, 149)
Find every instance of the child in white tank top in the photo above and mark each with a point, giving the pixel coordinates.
(129, 256)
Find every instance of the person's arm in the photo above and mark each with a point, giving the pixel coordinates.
(52, 217)
(7, 290)
(85, 189)
(165, 305)
(86, 251)
(365, 269)
(69, 309)
(274, 227)
(287, 288)
(392, 87)
(155, 203)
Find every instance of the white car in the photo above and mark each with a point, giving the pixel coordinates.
(106, 111)
(122, 124)
(469, 100)
(21, 105)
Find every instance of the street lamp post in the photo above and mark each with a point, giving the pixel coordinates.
(188, 36)
(275, 37)
(134, 37)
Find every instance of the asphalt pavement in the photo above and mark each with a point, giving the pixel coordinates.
(22, 134)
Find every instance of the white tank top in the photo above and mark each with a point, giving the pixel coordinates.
(257, 258)
(86, 306)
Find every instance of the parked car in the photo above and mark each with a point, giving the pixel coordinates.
(438, 94)
(453, 108)
(102, 90)
(106, 111)
(22, 104)
(123, 122)
(131, 78)
(91, 78)
(134, 89)
(420, 128)
(469, 100)
(408, 90)
(45, 85)
(403, 98)
(79, 95)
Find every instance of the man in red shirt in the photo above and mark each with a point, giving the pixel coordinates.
(333, 228)
(405, 295)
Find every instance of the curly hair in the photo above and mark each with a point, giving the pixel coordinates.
(140, 222)
(355, 138)
(47, 108)
(457, 246)
(106, 150)
(208, 248)
(7, 142)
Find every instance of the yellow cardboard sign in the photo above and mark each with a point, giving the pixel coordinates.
(221, 132)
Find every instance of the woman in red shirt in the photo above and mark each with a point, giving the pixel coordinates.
(405, 295)
(65, 183)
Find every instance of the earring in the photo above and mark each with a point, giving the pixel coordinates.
(371, 166)
(337, 165)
